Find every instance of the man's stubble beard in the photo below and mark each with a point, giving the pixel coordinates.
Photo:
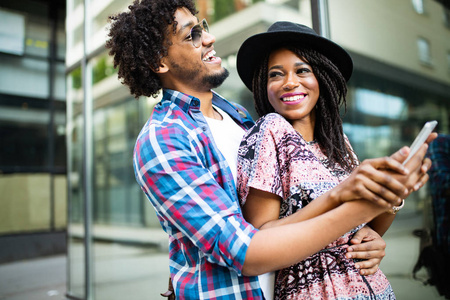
(217, 79)
(210, 81)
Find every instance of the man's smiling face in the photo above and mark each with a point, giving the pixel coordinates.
(188, 65)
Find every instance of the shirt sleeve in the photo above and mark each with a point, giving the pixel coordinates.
(258, 160)
(191, 206)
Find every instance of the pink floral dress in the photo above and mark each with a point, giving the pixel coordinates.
(274, 157)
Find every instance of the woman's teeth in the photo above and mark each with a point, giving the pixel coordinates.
(292, 98)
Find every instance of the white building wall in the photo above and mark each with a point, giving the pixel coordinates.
(387, 31)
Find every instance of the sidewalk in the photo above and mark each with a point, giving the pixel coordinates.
(45, 278)
(36, 279)
(401, 256)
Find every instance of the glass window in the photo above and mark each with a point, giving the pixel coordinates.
(448, 61)
(32, 128)
(103, 67)
(59, 135)
(23, 133)
(378, 104)
(75, 230)
(423, 47)
(60, 81)
(74, 31)
(418, 6)
(61, 36)
(33, 74)
(37, 41)
(446, 13)
(12, 32)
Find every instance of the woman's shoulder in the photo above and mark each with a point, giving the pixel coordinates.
(272, 122)
(272, 118)
(273, 128)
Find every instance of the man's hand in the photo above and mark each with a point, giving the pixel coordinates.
(368, 246)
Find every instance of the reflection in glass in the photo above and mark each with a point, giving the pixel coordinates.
(75, 229)
(379, 104)
(133, 252)
(33, 74)
(12, 33)
(369, 141)
(37, 42)
(103, 67)
(24, 134)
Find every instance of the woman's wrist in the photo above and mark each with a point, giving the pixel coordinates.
(365, 209)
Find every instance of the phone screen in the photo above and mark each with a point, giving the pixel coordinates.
(421, 138)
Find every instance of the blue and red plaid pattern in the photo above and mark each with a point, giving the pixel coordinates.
(191, 188)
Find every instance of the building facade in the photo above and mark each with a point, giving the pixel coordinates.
(33, 185)
(116, 247)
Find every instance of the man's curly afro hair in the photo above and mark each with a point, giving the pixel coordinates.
(138, 42)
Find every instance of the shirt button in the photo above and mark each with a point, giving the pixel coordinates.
(195, 102)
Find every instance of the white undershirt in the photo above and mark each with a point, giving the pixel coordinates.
(228, 135)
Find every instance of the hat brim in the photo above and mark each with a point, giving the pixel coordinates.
(255, 48)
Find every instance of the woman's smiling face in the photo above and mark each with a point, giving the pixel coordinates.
(292, 87)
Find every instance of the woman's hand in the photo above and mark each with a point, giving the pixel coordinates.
(418, 166)
(371, 182)
(369, 247)
(385, 181)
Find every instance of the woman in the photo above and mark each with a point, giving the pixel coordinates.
(297, 153)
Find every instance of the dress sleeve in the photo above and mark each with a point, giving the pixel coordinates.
(258, 161)
(191, 206)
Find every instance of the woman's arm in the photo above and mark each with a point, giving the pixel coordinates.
(262, 210)
(383, 181)
(293, 243)
(366, 182)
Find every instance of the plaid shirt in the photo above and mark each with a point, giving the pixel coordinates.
(190, 185)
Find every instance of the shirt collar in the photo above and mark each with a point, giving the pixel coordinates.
(186, 102)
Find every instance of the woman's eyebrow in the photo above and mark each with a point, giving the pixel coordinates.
(276, 67)
(298, 64)
(301, 64)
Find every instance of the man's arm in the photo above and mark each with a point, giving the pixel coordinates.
(369, 247)
(188, 200)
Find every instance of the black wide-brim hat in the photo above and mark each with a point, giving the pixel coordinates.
(255, 48)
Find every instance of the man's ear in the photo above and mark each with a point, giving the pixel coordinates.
(162, 68)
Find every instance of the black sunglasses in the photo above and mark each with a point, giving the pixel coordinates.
(196, 33)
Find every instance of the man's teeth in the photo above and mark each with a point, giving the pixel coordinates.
(293, 98)
(209, 55)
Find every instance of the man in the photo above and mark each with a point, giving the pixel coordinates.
(214, 252)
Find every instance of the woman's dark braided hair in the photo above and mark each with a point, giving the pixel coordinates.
(328, 131)
(138, 42)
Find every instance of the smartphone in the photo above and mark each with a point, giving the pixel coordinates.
(421, 138)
